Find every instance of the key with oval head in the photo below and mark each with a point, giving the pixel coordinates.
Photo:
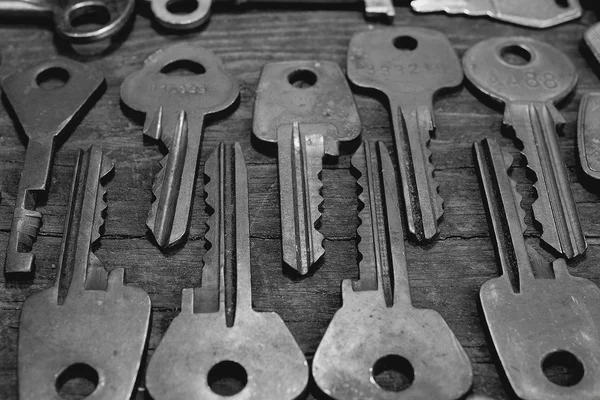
(531, 13)
(89, 324)
(307, 108)
(218, 335)
(529, 77)
(175, 108)
(45, 99)
(409, 65)
(535, 323)
(377, 328)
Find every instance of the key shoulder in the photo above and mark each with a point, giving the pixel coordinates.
(205, 93)
(376, 62)
(329, 101)
(548, 77)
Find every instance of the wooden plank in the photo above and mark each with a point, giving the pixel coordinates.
(445, 275)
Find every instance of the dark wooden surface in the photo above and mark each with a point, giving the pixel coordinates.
(444, 275)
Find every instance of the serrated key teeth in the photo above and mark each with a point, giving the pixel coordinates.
(302, 261)
(18, 264)
(448, 6)
(187, 301)
(116, 278)
(153, 125)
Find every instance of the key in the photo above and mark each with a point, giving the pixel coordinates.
(410, 66)
(534, 323)
(89, 324)
(588, 128)
(44, 110)
(532, 13)
(175, 108)
(377, 328)
(529, 77)
(591, 38)
(217, 335)
(307, 108)
(71, 17)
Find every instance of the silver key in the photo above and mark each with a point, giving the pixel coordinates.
(377, 324)
(531, 13)
(217, 333)
(529, 77)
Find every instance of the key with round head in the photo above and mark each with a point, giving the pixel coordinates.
(535, 323)
(377, 327)
(532, 13)
(307, 108)
(529, 77)
(45, 98)
(410, 66)
(177, 88)
(218, 335)
(89, 324)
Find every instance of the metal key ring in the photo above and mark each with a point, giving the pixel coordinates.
(64, 21)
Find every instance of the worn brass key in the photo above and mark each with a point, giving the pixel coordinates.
(218, 334)
(44, 111)
(307, 108)
(377, 324)
(89, 323)
(409, 65)
(529, 77)
(176, 107)
(534, 322)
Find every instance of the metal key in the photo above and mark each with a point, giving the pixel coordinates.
(44, 113)
(307, 108)
(409, 65)
(535, 322)
(89, 323)
(529, 77)
(592, 40)
(175, 108)
(588, 130)
(531, 13)
(70, 16)
(218, 334)
(377, 324)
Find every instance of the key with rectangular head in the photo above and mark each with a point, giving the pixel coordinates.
(307, 108)
(377, 327)
(410, 66)
(89, 323)
(218, 335)
(531, 13)
(44, 109)
(535, 323)
(529, 77)
(176, 105)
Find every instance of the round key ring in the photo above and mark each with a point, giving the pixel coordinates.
(93, 20)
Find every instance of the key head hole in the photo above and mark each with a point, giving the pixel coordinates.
(52, 78)
(302, 78)
(516, 55)
(227, 378)
(562, 3)
(405, 43)
(182, 7)
(89, 15)
(393, 373)
(563, 368)
(76, 382)
(183, 68)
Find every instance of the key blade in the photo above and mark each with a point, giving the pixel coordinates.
(306, 92)
(366, 333)
(299, 161)
(588, 127)
(217, 321)
(101, 325)
(505, 215)
(44, 113)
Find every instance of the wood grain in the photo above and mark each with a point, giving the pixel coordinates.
(444, 275)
